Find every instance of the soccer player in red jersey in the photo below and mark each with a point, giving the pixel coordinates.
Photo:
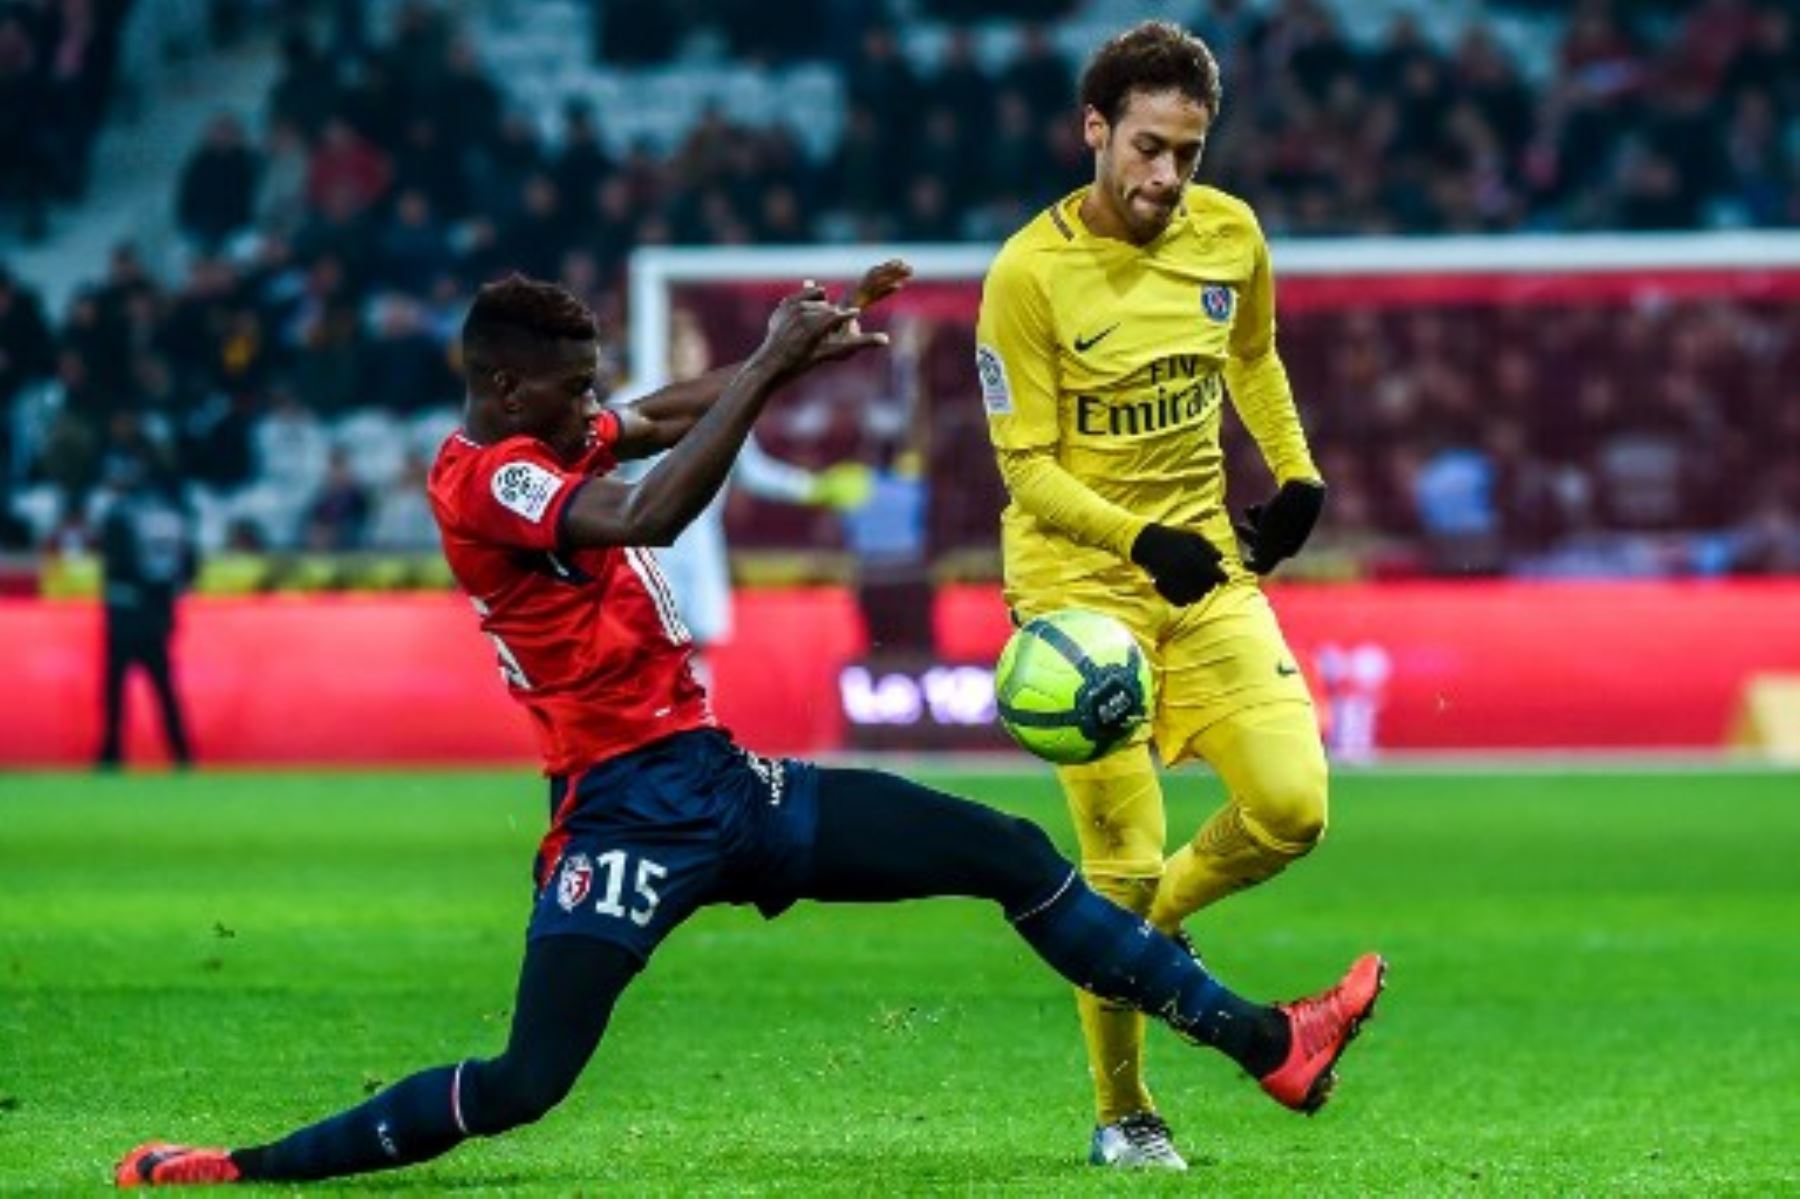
(654, 811)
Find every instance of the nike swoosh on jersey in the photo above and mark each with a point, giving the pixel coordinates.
(1084, 344)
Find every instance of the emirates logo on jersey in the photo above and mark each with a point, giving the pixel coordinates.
(574, 881)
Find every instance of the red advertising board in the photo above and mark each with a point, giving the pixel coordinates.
(1500, 665)
(373, 679)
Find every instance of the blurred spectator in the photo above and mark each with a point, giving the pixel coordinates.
(348, 173)
(960, 86)
(57, 62)
(581, 164)
(502, 164)
(466, 99)
(217, 449)
(27, 147)
(887, 533)
(1040, 74)
(429, 163)
(325, 337)
(281, 200)
(306, 91)
(404, 367)
(403, 519)
(27, 348)
(291, 445)
(1456, 493)
(217, 193)
(532, 241)
(882, 81)
(414, 250)
(1769, 540)
(339, 512)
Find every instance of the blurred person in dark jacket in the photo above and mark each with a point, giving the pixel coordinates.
(148, 558)
(217, 194)
(338, 516)
(27, 348)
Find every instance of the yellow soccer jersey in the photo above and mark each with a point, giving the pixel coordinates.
(1112, 361)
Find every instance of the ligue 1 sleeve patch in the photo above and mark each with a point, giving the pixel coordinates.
(996, 393)
(526, 488)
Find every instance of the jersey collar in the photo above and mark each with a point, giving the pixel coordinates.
(1067, 215)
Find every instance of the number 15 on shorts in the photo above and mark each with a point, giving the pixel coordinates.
(575, 883)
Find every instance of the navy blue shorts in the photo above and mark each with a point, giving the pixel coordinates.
(653, 836)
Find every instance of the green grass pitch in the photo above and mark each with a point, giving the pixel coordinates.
(1594, 990)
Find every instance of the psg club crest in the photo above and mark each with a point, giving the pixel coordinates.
(1217, 301)
(574, 881)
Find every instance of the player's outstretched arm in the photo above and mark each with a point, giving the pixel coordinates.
(657, 421)
(678, 488)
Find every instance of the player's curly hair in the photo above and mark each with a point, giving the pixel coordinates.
(515, 309)
(1154, 56)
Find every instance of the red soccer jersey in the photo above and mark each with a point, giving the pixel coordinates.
(589, 640)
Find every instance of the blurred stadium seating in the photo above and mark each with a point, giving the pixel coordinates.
(275, 329)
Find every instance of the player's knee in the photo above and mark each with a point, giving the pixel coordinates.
(1031, 846)
(1290, 812)
(1027, 863)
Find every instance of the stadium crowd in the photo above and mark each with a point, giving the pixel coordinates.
(58, 62)
(334, 247)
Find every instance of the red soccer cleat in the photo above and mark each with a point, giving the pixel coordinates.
(1321, 1026)
(160, 1165)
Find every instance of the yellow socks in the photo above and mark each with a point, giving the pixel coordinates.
(1116, 806)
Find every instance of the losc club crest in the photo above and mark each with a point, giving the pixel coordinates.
(574, 881)
(1216, 301)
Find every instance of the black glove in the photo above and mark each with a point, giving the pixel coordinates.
(1183, 565)
(1276, 530)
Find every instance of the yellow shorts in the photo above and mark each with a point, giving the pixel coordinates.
(1213, 659)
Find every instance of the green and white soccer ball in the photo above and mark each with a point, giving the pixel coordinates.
(1073, 686)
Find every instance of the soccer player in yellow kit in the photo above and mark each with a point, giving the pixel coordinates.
(1113, 327)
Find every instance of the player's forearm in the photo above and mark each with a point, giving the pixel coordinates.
(655, 422)
(680, 486)
(1263, 398)
(1040, 486)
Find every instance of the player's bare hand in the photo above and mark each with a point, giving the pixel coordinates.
(877, 284)
(802, 322)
